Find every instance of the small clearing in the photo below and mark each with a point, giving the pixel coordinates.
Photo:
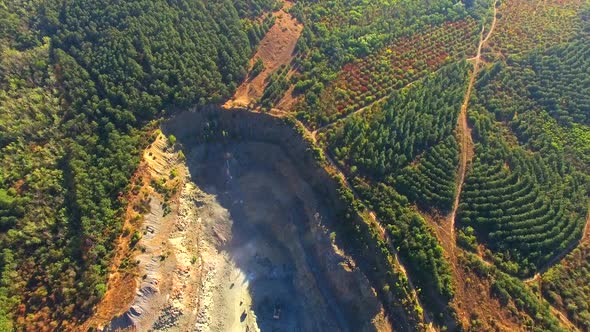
(277, 48)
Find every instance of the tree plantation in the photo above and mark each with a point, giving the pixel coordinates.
(411, 165)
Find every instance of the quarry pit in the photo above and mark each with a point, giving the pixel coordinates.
(249, 244)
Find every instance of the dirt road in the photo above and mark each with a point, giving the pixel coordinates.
(463, 129)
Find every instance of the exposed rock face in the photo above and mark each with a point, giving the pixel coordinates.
(249, 238)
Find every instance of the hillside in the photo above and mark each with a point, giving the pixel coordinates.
(295, 165)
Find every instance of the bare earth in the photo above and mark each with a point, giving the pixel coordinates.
(245, 236)
(240, 242)
(275, 49)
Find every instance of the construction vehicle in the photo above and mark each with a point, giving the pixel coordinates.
(277, 312)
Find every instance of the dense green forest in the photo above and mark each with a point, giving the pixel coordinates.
(526, 193)
(78, 80)
(378, 143)
(379, 85)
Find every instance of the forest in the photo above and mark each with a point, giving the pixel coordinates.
(379, 88)
(78, 82)
(534, 183)
(431, 181)
(382, 140)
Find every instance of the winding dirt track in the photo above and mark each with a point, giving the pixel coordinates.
(463, 130)
(466, 155)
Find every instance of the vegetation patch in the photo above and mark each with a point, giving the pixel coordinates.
(430, 182)
(565, 286)
(379, 144)
(524, 25)
(403, 61)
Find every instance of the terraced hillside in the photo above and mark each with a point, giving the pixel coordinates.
(521, 196)
(302, 165)
(430, 182)
(512, 204)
